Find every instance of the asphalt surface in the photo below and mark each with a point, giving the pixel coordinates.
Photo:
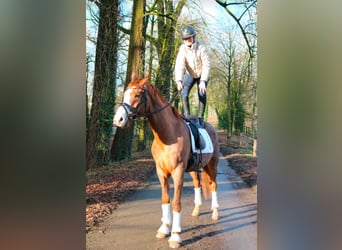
(133, 225)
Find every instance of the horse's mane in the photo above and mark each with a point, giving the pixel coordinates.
(156, 93)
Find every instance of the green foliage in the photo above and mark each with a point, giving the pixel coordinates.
(222, 116)
(142, 136)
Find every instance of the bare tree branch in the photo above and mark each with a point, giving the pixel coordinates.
(238, 20)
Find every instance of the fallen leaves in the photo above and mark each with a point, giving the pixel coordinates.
(245, 165)
(108, 186)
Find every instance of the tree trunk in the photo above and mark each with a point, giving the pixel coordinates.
(101, 114)
(122, 143)
(166, 45)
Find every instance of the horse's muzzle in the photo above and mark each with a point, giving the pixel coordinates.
(121, 117)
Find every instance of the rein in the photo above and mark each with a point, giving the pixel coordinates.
(132, 112)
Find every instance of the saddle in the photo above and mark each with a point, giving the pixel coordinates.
(193, 164)
(199, 141)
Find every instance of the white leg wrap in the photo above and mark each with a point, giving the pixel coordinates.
(176, 238)
(166, 212)
(164, 229)
(198, 197)
(214, 203)
(176, 222)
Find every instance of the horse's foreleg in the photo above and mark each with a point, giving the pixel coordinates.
(175, 239)
(164, 229)
(197, 190)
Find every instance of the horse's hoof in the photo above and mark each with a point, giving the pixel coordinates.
(215, 214)
(196, 211)
(161, 235)
(163, 232)
(175, 241)
(174, 244)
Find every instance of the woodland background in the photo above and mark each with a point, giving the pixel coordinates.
(143, 36)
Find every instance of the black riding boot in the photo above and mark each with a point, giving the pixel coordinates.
(186, 106)
(201, 114)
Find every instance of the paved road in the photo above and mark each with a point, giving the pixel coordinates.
(134, 224)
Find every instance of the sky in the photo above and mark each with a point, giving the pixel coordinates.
(213, 10)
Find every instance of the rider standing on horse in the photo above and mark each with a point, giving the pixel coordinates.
(192, 66)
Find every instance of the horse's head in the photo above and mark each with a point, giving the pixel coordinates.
(134, 101)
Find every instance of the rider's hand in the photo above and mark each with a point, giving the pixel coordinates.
(202, 88)
(179, 85)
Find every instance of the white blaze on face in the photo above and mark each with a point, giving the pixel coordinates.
(127, 96)
(121, 116)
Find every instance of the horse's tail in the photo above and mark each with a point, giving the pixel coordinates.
(206, 181)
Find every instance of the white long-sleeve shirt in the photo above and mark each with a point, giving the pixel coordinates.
(195, 60)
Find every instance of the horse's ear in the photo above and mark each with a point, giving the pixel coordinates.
(134, 77)
(145, 79)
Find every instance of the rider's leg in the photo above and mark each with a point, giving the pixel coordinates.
(188, 83)
(186, 105)
(202, 104)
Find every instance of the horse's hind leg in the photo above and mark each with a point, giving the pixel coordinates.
(197, 189)
(210, 172)
(214, 205)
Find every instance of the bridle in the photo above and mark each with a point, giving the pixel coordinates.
(132, 112)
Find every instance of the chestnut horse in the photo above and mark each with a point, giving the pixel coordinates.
(171, 150)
